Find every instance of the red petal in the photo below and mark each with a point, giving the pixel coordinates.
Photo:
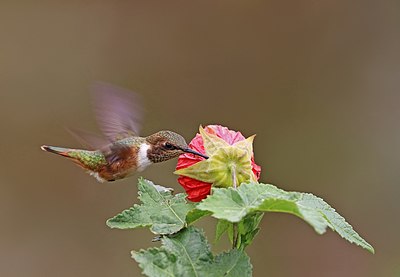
(196, 190)
(255, 168)
(223, 132)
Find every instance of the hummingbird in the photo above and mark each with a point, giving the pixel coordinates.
(121, 152)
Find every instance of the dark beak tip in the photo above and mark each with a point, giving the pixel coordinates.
(188, 150)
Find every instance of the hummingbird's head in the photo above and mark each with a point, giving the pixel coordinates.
(165, 145)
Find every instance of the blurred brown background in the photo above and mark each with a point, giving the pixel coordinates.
(318, 81)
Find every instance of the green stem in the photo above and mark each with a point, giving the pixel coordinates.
(234, 225)
(235, 235)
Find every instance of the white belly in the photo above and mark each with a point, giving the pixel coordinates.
(97, 176)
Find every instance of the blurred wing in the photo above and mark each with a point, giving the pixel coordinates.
(113, 152)
(119, 111)
(90, 140)
(117, 152)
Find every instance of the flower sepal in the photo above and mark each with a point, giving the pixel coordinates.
(228, 165)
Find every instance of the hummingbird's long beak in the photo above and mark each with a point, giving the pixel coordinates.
(188, 150)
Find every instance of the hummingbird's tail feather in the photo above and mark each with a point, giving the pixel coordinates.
(89, 160)
(57, 150)
(72, 154)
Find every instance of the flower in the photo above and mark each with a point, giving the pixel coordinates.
(231, 162)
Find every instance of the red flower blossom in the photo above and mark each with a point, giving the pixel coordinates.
(198, 190)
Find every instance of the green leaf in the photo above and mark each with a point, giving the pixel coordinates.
(334, 220)
(233, 205)
(222, 227)
(188, 254)
(163, 212)
(156, 262)
(232, 263)
(192, 251)
(248, 229)
(195, 214)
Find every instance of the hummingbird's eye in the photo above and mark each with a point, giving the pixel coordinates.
(169, 146)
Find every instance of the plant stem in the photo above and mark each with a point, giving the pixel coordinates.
(234, 225)
(235, 235)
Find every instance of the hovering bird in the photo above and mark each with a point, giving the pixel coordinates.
(122, 152)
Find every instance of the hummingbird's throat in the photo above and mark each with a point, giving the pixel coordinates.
(143, 160)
